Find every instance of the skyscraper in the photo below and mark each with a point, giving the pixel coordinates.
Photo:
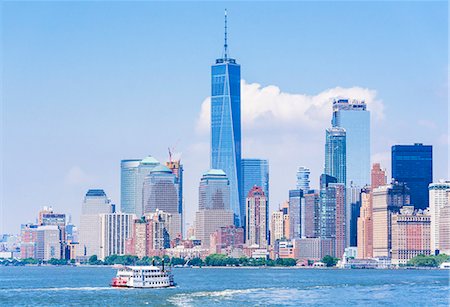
(311, 214)
(177, 169)
(296, 214)
(438, 200)
(413, 165)
(133, 173)
(226, 124)
(256, 218)
(332, 212)
(335, 154)
(116, 228)
(354, 117)
(95, 203)
(254, 172)
(160, 192)
(214, 205)
(386, 200)
(303, 178)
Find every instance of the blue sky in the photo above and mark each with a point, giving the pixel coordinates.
(86, 84)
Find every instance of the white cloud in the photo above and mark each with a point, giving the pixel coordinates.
(268, 107)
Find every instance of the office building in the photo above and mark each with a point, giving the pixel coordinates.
(410, 235)
(214, 210)
(28, 239)
(353, 116)
(335, 154)
(177, 169)
(95, 203)
(303, 178)
(254, 172)
(296, 218)
(140, 242)
(226, 125)
(365, 226)
(444, 228)
(116, 228)
(225, 239)
(161, 192)
(276, 227)
(377, 176)
(352, 209)
(438, 200)
(386, 200)
(413, 165)
(256, 218)
(332, 212)
(48, 242)
(311, 214)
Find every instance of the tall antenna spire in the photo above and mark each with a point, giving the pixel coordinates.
(225, 45)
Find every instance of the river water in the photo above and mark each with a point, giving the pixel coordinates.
(88, 286)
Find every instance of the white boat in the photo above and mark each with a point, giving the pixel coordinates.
(143, 277)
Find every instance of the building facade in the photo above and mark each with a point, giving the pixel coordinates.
(254, 172)
(386, 200)
(225, 239)
(303, 178)
(95, 203)
(296, 216)
(365, 226)
(410, 235)
(116, 228)
(226, 125)
(161, 192)
(413, 165)
(214, 208)
(354, 117)
(438, 200)
(256, 218)
(312, 214)
(336, 154)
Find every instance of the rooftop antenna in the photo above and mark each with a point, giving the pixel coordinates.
(225, 46)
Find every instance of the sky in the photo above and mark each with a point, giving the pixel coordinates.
(87, 84)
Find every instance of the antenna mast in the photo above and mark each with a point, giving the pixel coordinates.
(225, 46)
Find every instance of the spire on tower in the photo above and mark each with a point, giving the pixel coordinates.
(225, 46)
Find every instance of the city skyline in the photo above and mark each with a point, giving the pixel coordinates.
(79, 174)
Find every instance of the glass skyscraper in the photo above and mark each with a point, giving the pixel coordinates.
(335, 154)
(355, 119)
(413, 165)
(303, 178)
(255, 172)
(226, 125)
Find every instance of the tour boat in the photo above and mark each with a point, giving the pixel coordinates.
(143, 277)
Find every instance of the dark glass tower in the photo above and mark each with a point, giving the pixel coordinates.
(413, 165)
(226, 124)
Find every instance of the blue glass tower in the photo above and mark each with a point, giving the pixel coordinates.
(226, 124)
(413, 165)
(335, 154)
(355, 119)
(254, 172)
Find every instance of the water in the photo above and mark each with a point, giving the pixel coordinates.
(88, 286)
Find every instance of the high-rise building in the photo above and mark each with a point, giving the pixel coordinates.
(214, 205)
(365, 226)
(410, 235)
(311, 214)
(161, 192)
(95, 203)
(335, 154)
(116, 228)
(296, 216)
(256, 218)
(44, 210)
(254, 172)
(413, 165)
(226, 124)
(177, 169)
(48, 243)
(140, 242)
(276, 226)
(128, 186)
(353, 207)
(444, 228)
(386, 200)
(28, 239)
(438, 200)
(303, 178)
(332, 212)
(354, 117)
